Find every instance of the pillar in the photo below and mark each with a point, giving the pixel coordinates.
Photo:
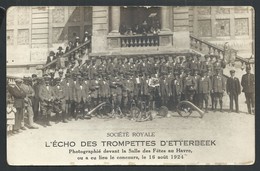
(165, 22)
(115, 19)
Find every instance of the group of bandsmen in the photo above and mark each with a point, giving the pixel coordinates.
(158, 80)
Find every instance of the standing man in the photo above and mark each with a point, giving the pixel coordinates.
(45, 95)
(233, 90)
(27, 88)
(17, 92)
(248, 84)
(218, 86)
(190, 86)
(204, 88)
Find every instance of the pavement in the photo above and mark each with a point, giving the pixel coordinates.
(233, 133)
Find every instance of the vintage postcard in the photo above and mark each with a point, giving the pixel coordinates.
(130, 85)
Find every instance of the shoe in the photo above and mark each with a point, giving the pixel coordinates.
(23, 128)
(33, 127)
(48, 124)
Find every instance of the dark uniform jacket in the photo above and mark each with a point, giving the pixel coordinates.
(69, 89)
(59, 92)
(218, 84)
(204, 85)
(95, 88)
(248, 83)
(104, 88)
(81, 93)
(233, 86)
(46, 94)
(177, 87)
(164, 88)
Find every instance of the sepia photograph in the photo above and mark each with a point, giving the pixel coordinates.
(130, 85)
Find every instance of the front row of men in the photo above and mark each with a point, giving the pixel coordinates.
(77, 94)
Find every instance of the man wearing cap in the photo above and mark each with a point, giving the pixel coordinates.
(196, 95)
(193, 64)
(102, 66)
(52, 74)
(59, 101)
(248, 84)
(104, 89)
(51, 58)
(110, 66)
(80, 97)
(116, 86)
(206, 64)
(46, 98)
(218, 88)
(27, 88)
(69, 95)
(18, 93)
(95, 89)
(93, 69)
(219, 64)
(189, 85)
(163, 67)
(60, 72)
(233, 90)
(164, 90)
(145, 89)
(128, 86)
(177, 88)
(204, 88)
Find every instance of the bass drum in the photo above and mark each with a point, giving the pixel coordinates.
(163, 111)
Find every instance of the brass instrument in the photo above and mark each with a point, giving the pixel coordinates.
(185, 109)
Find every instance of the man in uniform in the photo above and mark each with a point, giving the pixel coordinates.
(46, 97)
(189, 85)
(196, 95)
(233, 90)
(95, 90)
(164, 90)
(69, 94)
(18, 93)
(116, 93)
(177, 88)
(204, 88)
(218, 87)
(59, 95)
(80, 97)
(129, 88)
(248, 84)
(144, 89)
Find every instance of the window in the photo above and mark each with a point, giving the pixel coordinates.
(223, 27)
(241, 26)
(204, 28)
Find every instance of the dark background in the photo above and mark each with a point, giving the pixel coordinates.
(4, 4)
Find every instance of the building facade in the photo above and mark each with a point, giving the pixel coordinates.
(32, 32)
